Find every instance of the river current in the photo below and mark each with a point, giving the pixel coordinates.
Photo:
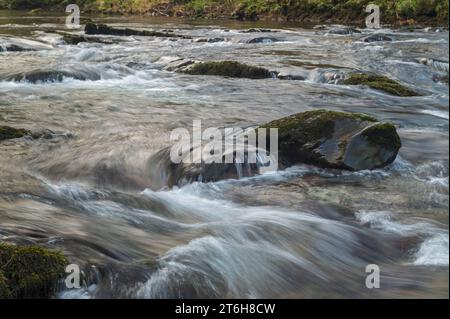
(94, 190)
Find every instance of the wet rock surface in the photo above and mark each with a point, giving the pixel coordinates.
(103, 29)
(228, 69)
(376, 38)
(51, 75)
(7, 132)
(339, 140)
(263, 40)
(378, 82)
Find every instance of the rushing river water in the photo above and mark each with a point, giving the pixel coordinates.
(95, 192)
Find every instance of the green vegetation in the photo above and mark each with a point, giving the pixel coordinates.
(29, 271)
(228, 68)
(7, 132)
(379, 82)
(345, 10)
(32, 4)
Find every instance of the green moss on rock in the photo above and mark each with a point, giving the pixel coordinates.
(319, 123)
(229, 69)
(29, 271)
(5, 292)
(338, 140)
(7, 132)
(379, 82)
(383, 134)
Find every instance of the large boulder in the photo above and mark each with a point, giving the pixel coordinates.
(14, 48)
(29, 271)
(229, 69)
(326, 139)
(337, 140)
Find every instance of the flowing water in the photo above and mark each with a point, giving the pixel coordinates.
(95, 190)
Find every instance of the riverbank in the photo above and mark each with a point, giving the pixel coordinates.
(401, 12)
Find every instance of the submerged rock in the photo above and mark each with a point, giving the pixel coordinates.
(436, 29)
(7, 133)
(286, 75)
(378, 82)
(258, 30)
(229, 69)
(242, 159)
(29, 271)
(74, 39)
(36, 76)
(178, 65)
(440, 78)
(331, 76)
(376, 38)
(210, 40)
(263, 40)
(97, 29)
(343, 31)
(337, 140)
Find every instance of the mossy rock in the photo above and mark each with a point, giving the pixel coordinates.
(339, 140)
(379, 82)
(5, 292)
(383, 134)
(50, 75)
(29, 271)
(231, 69)
(103, 29)
(7, 132)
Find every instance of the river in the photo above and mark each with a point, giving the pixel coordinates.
(95, 191)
